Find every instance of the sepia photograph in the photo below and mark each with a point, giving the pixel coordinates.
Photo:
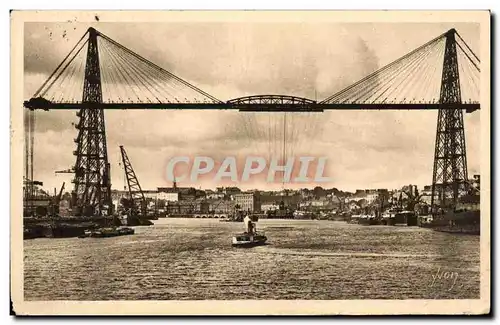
(238, 162)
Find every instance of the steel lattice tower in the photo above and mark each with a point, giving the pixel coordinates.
(134, 188)
(92, 191)
(450, 159)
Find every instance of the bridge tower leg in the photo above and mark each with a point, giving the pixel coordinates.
(92, 186)
(450, 159)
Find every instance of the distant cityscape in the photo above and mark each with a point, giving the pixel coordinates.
(224, 202)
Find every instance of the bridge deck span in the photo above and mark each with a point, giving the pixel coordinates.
(314, 107)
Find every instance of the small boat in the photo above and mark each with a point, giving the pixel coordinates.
(402, 218)
(251, 237)
(85, 234)
(108, 232)
(125, 231)
(249, 240)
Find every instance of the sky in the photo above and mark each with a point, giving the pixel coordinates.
(364, 149)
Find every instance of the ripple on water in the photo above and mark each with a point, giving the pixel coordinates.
(186, 259)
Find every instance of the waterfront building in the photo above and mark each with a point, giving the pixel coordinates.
(219, 206)
(168, 194)
(187, 207)
(248, 202)
(264, 207)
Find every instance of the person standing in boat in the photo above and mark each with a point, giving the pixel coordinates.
(249, 225)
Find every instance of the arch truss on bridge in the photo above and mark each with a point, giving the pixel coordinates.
(100, 74)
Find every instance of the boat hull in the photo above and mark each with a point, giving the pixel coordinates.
(249, 244)
(104, 233)
(246, 241)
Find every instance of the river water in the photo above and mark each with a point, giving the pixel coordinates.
(192, 259)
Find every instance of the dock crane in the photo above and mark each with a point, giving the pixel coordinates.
(66, 171)
(136, 195)
(57, 200)
(79, 171)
